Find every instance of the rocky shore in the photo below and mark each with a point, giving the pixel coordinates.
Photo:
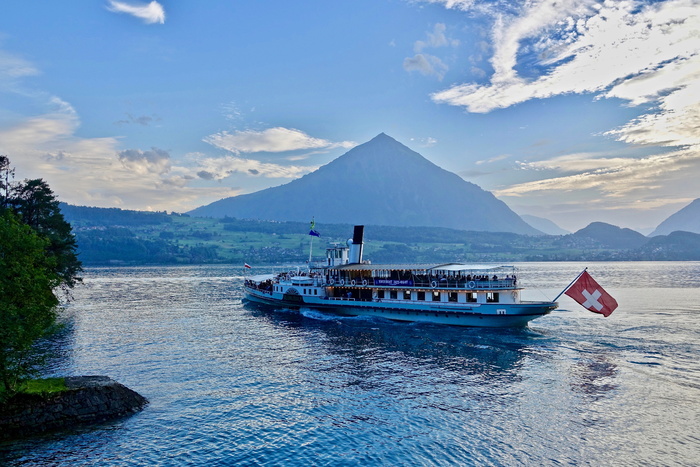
(89, 399)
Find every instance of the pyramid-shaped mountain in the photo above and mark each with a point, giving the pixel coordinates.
(381, 182)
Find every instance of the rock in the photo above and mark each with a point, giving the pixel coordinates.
(88, 399)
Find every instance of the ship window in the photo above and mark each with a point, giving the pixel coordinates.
(421, 295)
(452, 297)
(315, 291)
(471, 297)
(380, 294)
(436, 296)
(406, 294)
(393, 294)
(492, 297)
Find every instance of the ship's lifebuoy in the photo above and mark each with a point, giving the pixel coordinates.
(352, 282)
(331, 281)
(364, 282)
(433, 284)
(471, 284)
(342, 281)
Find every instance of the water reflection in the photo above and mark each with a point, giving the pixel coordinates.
(494, 355)
(594, 376)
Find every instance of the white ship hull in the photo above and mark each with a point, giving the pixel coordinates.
(477, 315)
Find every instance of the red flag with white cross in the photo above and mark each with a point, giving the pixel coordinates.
(588, 293)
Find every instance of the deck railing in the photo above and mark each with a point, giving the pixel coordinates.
(433, 283)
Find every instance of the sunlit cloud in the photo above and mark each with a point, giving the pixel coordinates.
(218, 168)
(276, 139)
(612, 177)
(628, 50)
(150, 13)
(155, 161)
(644, 53)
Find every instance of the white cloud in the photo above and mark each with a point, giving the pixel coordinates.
(615, 49)
(645, 53)
(436, 38)
(276, 139)
(156, 161)
(150, 13)
(426, 64)
(614, 178)
(218, 168)
(12, 66)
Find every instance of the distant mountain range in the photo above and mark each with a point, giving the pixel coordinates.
(687, 220)
(381, 182)
(544, 225)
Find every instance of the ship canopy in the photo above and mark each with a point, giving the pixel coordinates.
(442, 268)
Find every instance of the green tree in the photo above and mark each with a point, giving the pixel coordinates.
(38, 207)
(28, 304)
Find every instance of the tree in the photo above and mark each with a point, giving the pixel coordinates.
(37, 257)
(6, 173)
(28, 305)
(38, 207)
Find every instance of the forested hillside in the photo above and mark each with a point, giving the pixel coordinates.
(118, 237)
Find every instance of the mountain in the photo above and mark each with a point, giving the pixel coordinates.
(611, 236)
(381, 182)
(676, 246)
(687, 220)
(544, 225)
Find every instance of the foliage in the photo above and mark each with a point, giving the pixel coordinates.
(37, 257)
(28, 305)
(37, 206)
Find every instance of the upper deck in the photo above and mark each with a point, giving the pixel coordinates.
(443, 276)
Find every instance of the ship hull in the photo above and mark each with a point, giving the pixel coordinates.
(478, 315)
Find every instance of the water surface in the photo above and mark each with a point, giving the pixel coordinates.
(230, 384)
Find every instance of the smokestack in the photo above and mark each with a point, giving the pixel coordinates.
(356, 244)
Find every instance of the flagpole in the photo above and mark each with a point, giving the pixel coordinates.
(572, 283)
(311, 247)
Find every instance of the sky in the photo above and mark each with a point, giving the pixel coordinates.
(572, 110)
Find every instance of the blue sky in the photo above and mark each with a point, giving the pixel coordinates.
(573, 110)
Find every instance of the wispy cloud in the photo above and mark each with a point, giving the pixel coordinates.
(150, 13)
(276, 139)
(219, 168)
(617, 177)
(645, 53)
(425, 63)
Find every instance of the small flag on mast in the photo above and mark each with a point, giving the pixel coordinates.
(592, 296)
(313, 228)
(247, 266)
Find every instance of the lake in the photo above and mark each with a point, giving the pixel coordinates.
(238, 385)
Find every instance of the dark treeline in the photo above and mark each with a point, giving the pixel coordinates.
(111, 216)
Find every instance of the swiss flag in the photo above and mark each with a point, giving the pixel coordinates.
(588, 293)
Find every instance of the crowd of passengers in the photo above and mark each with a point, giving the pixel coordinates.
(265, 286)
(442, 278)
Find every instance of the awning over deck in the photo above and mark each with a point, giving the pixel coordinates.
(422, 268)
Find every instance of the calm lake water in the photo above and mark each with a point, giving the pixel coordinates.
(237, 385)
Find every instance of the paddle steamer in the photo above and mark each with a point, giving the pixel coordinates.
(452, 293)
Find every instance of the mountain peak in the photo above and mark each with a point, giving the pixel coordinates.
(380, 182)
